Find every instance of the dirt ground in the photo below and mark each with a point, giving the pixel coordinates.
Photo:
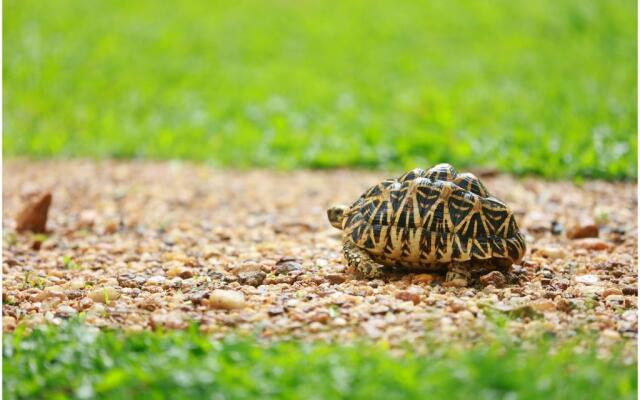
(147, 245)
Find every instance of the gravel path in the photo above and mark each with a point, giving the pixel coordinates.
(147, 245)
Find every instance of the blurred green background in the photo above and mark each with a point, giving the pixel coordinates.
(546, 86)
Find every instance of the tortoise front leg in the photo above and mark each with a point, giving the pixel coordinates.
(360, 261)
(458, 275)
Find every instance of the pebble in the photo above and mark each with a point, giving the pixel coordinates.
(171, 320)
(517, 311)
(610, 334)
(336, 279)
(65, 312)
(422, 279)
(76, 284)
(150, 303)
(371, 329)
(556, 228)
(495, 278)
(587, 279)
(339, 321)
(564, 305)
(277, 310)
(156, 280)
(379, 309)
(467, 315)
(583, 290)
(111, 227)
(287, 265)
(615, 301)
(226, 299)
(55, 291)
(456, 306)
(175, 282)
(322, 317)
(8, 323)
(104, 295)
(315, 327)
(97, 308)
(178, 270)
(110, 282)
(198, 298)
(630, 290)
(458, 282)
(252, 278)
(33, 216)
(85, 303)
(186, 273)
(134, 328)
(131, 281)
(592, 244)
(611, 292)
(87, 219)
(73, 294)
(408, 296)
(553, 252)
(246, 267)
(587, 229)
(543, 305)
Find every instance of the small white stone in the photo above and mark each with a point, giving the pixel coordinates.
(104, 295)
(155, 280)
(587, 279)
(226, 299)
(76, 284)
(339, 321)
(55, 290)
(554, 252)
(65, 311)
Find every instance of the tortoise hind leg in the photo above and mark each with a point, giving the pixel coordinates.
(361, 262)
(458, 275)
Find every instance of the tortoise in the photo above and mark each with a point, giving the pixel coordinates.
(435, 220)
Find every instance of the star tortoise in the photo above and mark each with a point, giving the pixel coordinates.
(435, 220)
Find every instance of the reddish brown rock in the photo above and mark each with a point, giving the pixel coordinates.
(33, 217)
(336, 279)
(495, 278)
(611, 292)
(592, 244)
(564, 305)
(586, 229)
(407, 296)
(423, 279)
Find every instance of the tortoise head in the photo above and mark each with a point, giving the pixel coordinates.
(336, 215)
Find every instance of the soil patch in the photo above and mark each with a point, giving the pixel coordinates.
(148, 245)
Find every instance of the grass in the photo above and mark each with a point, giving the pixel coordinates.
(82, 362)
(545, 87)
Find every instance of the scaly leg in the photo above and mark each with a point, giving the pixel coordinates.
(360, 261)
(458, 275)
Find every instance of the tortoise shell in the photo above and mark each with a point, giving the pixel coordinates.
(427, 218)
